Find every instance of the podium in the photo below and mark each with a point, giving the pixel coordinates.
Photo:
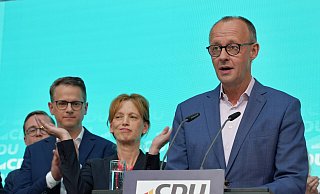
(247, 191)
(226, 191)
(106, 192)
(180, 182)
(174, 181)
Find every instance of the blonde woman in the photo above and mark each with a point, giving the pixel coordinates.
(129, 121)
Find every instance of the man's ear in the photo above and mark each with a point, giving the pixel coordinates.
(254, 51)
(25, 140)
(50, 106)
(86, 108)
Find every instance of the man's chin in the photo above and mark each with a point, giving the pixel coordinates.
(227, 81)
(68, 126)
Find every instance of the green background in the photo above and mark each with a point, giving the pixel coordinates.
(152, 47)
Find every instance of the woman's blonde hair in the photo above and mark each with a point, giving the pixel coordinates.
(138, 100)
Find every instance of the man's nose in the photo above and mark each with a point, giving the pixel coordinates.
(69, 107)
(224, 55)
(38, 133)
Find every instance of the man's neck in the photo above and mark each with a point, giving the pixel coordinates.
(234, 92)
(74, 132)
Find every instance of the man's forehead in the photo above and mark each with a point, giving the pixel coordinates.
(68, 90)
(41, 116)
(231, 29)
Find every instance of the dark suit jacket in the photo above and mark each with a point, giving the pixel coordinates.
(269, 149)
(9, 181)
(95, 173)
(38, 156)
(1, 187)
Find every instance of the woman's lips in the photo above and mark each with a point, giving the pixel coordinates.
(125, 130)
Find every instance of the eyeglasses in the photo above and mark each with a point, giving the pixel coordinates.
(33, 131)
(232, 49)
(62, 104)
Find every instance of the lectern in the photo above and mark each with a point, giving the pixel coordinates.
(179, 182)
(226, 191)
(247, 191)
(174, 181)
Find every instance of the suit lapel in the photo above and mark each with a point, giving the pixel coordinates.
(212, 114)
(254, 106)
(86, 145)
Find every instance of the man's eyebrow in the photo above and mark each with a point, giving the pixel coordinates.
(32, 126)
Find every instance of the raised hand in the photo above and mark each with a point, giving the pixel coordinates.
(159, 141)
(312, 184)
(60, 133)
(55, 166)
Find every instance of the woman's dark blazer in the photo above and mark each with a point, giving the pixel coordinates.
(94, 175)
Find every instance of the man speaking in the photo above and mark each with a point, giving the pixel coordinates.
(265, 145)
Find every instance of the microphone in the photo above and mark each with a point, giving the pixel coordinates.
(192, 117)
(187, 119)
(233, 116)
(230, 118)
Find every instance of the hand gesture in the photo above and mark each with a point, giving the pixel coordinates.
(159, 141)
(60, 133)
(312, 185)
(55, 166)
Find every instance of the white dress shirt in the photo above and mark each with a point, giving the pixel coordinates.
(226, 108)
(49, 178)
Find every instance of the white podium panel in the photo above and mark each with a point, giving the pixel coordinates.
(174, 182)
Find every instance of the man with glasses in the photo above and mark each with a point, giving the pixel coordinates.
(265, 145)
(68, 103)
(32, 133)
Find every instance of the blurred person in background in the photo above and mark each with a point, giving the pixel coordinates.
(32, 133)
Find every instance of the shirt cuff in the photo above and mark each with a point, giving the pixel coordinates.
(50, 180)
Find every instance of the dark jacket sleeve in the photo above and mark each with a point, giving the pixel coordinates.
(1, 187)
(70, 168)
(152, 162)
(24, 184)
(9, 181)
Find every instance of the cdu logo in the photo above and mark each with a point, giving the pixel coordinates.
(150, 192)
(173, 187)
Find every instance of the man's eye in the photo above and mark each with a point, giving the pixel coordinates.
(215, 48)
(31, 130)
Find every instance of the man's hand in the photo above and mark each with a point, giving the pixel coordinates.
(60, 133)
(55, 166)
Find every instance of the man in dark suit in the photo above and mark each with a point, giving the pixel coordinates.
(32, 133)
(265, 146)
(1, 187)
(69, 105)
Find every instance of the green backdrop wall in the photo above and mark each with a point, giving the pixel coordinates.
(152, 47)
